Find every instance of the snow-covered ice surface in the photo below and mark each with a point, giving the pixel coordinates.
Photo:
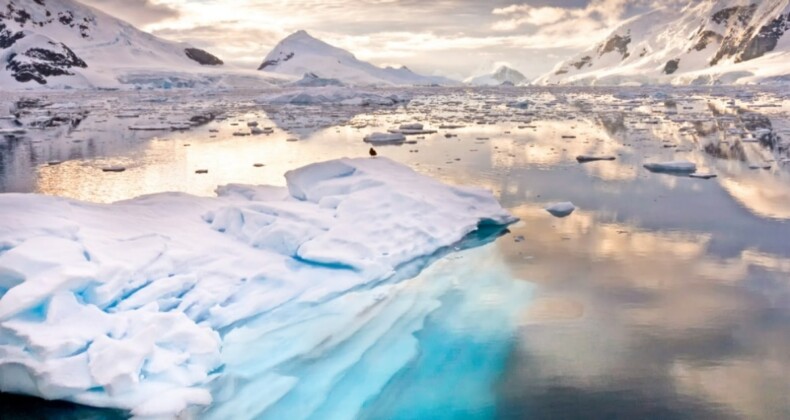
(660, 296)
(125, 305)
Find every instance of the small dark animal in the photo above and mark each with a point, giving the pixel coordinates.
(373, 152)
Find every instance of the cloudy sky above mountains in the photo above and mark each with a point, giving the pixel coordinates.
(454, 38)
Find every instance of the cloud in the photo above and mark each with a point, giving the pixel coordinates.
(137, 12)
(232, 41)
(525, 14)
(600, 13)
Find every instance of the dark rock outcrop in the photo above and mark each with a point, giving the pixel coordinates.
(744, 42)
(584, 61)
(269, 63)
(36, 64)
(705, 38)
(671, 66)
(732, 151)
(742, 14)
(616, 43)
(765, 40)
(8, 38)
(203, 57)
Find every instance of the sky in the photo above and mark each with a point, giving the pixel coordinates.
(454, 38)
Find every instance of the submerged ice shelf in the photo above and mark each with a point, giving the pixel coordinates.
(137, 305)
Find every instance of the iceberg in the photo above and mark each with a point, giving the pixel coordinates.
(131, 305)
(560, 210)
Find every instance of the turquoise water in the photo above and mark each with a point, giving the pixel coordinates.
(661, 296)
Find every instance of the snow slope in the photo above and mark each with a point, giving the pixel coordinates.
(706, 42)
(128, 305)
(300, 54)
(63, 43)
(503, 75)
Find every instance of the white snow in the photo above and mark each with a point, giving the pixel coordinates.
(127, 305)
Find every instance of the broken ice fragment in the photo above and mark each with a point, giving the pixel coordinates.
(561, 209)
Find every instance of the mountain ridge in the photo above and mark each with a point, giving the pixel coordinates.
(710, 42)
(502, 75)
(300, 53)
(67, 43)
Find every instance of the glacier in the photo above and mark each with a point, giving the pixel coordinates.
(170, 302)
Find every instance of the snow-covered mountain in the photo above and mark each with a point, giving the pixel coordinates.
(503, 75)
(706, 42)
(67, 44)
(300, 54)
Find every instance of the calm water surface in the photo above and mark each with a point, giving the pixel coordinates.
(661, 296)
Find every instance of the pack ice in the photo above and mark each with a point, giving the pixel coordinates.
(334, 95)
(128, 305)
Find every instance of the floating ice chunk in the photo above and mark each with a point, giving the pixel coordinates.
(411, 131)
(561, 209)
(150, 127)
(379, 138)
(593, 158)
(699, 175)
(672, 167)
(519, 104)
(412, 126)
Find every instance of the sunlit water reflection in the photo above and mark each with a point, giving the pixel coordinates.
(660, 296)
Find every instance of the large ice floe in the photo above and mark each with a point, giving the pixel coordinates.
(143, 304)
